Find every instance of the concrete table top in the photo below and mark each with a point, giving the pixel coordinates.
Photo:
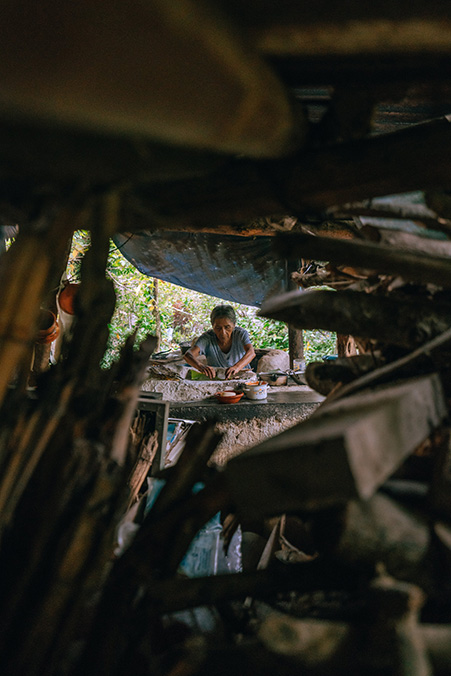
(277, 402)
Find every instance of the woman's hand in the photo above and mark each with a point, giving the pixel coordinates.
(209, 371)
(191, 359)
(241, 363)
(231, 371)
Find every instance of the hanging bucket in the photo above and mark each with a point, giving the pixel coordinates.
(48, 328)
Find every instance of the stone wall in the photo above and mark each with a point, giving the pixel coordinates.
(238, 434)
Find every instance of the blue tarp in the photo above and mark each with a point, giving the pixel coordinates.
(239, 269)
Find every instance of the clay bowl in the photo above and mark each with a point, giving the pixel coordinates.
(228, 397)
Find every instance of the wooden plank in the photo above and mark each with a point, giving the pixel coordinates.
(346, 452)
(61, 154)
(413, 266)
(407, 322)
(237, 194)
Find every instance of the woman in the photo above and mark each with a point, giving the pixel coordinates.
(225, 345)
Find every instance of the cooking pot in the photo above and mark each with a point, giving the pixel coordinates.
(274, 378)
(255, 390)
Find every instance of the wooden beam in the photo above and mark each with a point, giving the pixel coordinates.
(327, 29)
(411, 159)
(349, 452)
(179, 593)
(324, 376)
(380, 70)
(296, 345)
(407, 322)
(34, 151)
(434, 353)
(235, 195)
(181, 74)
(421, 215)
(413, 266)
(231, 197)
(311, 182)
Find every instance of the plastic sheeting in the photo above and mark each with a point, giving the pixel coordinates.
(239, 269)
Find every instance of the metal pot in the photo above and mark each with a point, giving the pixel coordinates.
(255, 390)
(273, 378)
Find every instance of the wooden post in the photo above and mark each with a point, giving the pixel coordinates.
(156, 314)
(295, 336)
(296, 344)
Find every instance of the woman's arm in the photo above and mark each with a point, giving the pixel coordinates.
(190, 357)
(241, 363)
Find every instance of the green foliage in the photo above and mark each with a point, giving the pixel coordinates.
(318, 344)
(81, 242)
(184, 313)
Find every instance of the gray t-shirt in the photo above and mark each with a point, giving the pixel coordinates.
(208, 344)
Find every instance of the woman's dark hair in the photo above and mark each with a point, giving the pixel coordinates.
(226, 311)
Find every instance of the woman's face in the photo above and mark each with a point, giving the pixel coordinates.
(223, 329)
